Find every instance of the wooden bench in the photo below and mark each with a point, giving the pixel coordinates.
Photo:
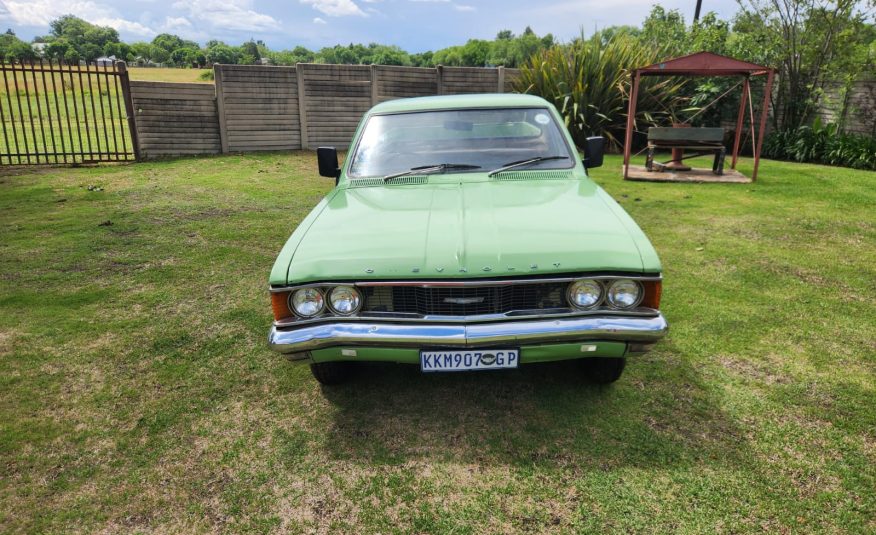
(702, 141)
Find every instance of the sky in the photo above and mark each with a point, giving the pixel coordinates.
(414, 25)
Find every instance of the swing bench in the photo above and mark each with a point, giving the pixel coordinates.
(702, 141)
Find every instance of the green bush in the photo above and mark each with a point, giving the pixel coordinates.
(822, 143)
(589, 82)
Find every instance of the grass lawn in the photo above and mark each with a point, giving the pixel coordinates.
(137, 393)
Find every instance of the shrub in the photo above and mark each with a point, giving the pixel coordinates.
(822, 143)
(589, 82)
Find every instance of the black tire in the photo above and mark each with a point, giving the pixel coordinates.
(331, 373)
(603, 371)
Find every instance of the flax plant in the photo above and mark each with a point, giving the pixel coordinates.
(589, 82)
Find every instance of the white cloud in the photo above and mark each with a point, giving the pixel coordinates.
(336, 8)
(457, 7)
(38, 13)
(318, 20)
(123, 25)
(177, 22)
(233, 15)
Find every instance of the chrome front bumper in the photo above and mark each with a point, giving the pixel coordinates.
(639, 330)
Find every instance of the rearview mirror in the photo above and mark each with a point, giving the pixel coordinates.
(327, 157)
(594, 149)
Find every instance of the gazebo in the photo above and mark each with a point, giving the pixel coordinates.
(708, 64)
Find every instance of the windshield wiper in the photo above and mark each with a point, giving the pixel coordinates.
(430, 168)
(520, 163)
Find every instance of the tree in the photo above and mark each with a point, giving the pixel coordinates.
(10, 48)
(142, 50)
(73, 39)
(72, 55)
(605, 35)
(526, 46)
(451, 56)
(100, 36)
(179, 57)
(79, 32)
(170, 42)
(58, 49)
(20, 51)
(507, 49)
(299, 54)
(710, 34)
(221, 53)
(71, 27)
(423, 59)
(665, 32)
(475, 52)
(90, 51)
(249, 53)
(345, 55)
(810, 42)
(121, 51)
(389, 55)
(158, 54)
(196, 57)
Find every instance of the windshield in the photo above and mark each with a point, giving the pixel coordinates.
(467, 140)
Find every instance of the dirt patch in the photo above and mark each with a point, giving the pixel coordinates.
(7, 339)
(201, 215)
(764, 370)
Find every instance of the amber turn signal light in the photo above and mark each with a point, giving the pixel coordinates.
(653, 291)
(280, 305)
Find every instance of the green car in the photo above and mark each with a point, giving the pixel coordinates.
(464, 234)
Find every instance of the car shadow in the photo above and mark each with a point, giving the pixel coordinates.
(658, 413)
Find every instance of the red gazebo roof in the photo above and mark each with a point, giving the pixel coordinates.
(703, 64)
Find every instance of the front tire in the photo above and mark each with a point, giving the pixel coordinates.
(331, 373)
(603, 371)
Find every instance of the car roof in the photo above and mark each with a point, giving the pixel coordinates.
(481, 100)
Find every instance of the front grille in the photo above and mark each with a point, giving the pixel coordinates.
(465, 300)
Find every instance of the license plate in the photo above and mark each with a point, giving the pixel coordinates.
(482, 359)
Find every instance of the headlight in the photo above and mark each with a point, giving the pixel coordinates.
(624, 293)
(585, 293)
(307, 302)
(345, 300)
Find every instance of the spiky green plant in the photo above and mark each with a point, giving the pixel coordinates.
(590, 82)
(822, 143)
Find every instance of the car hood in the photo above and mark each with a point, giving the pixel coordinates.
(466, 229)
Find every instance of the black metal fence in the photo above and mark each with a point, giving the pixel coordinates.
(54, 113)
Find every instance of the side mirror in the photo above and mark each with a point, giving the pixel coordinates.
(327, 157)
(594, 150)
